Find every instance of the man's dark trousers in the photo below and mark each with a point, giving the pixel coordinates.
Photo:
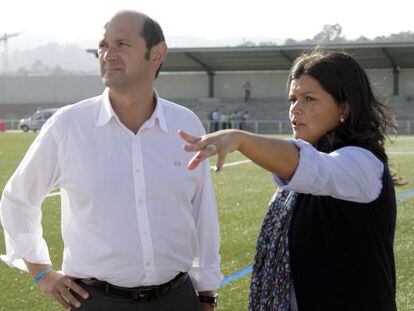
(183, 298)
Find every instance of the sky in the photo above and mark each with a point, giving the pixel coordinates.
(81, 21)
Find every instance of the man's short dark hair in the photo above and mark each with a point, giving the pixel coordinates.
(152, 34)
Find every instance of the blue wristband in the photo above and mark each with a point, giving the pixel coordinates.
(41, 275)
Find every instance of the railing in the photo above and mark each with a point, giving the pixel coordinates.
(406, 127)
(9, 124)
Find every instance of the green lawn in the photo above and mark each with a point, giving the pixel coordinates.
(242, 192)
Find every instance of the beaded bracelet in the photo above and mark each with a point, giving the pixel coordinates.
(41, 275)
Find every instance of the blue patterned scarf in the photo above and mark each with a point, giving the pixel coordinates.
(270, 285)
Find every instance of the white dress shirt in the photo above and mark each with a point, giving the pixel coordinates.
(132, 213)
(349, 173)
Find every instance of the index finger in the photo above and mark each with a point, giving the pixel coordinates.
(187, 137)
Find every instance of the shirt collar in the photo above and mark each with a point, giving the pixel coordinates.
(106, 112)
(158, 114)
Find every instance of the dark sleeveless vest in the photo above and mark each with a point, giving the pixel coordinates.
(341, 252)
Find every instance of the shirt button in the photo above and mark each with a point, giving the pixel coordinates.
(140, 201)
(147, 264)
(137, 170)
(146, 232)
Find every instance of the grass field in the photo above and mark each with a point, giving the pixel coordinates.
(243, 192)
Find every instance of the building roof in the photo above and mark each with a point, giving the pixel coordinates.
(369, 55)
(391, 55)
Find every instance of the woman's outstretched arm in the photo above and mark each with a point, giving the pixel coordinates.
(275, 155)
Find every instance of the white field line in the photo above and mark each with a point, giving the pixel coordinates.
(401, 152)
(247, 161)
(53, 194)
(232, 163)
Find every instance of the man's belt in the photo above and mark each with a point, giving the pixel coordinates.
(142, 293)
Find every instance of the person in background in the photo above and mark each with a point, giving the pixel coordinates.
(229, 119)
(210, 121)
(216, 120)
(327, 240)
(245, 118)
(140, 232)
(247, 91)
(223, 121)
(236, 119)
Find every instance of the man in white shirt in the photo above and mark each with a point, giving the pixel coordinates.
(135, 221)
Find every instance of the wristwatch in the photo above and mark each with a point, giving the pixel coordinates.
(213, 300)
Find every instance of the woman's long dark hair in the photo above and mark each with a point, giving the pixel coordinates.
(369, 120)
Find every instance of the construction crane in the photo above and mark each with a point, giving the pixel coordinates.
(4, 39)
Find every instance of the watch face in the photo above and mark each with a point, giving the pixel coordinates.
(213, 300)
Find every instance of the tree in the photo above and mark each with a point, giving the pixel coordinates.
(329, 34)
(267, 43)
(362, 39)
(58, 71)
(22, 71)
(247, 43)
(405, 36)
(39, 68)
(290, 41)
(333, 34)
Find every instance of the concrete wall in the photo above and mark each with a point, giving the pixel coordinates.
(62, 90)
(182, 85)
(407, 82)
(264, 84)
(383, 82)
(48, 89)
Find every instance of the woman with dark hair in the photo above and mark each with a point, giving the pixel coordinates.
(327, 240)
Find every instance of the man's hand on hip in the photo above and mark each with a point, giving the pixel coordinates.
(61, 287)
